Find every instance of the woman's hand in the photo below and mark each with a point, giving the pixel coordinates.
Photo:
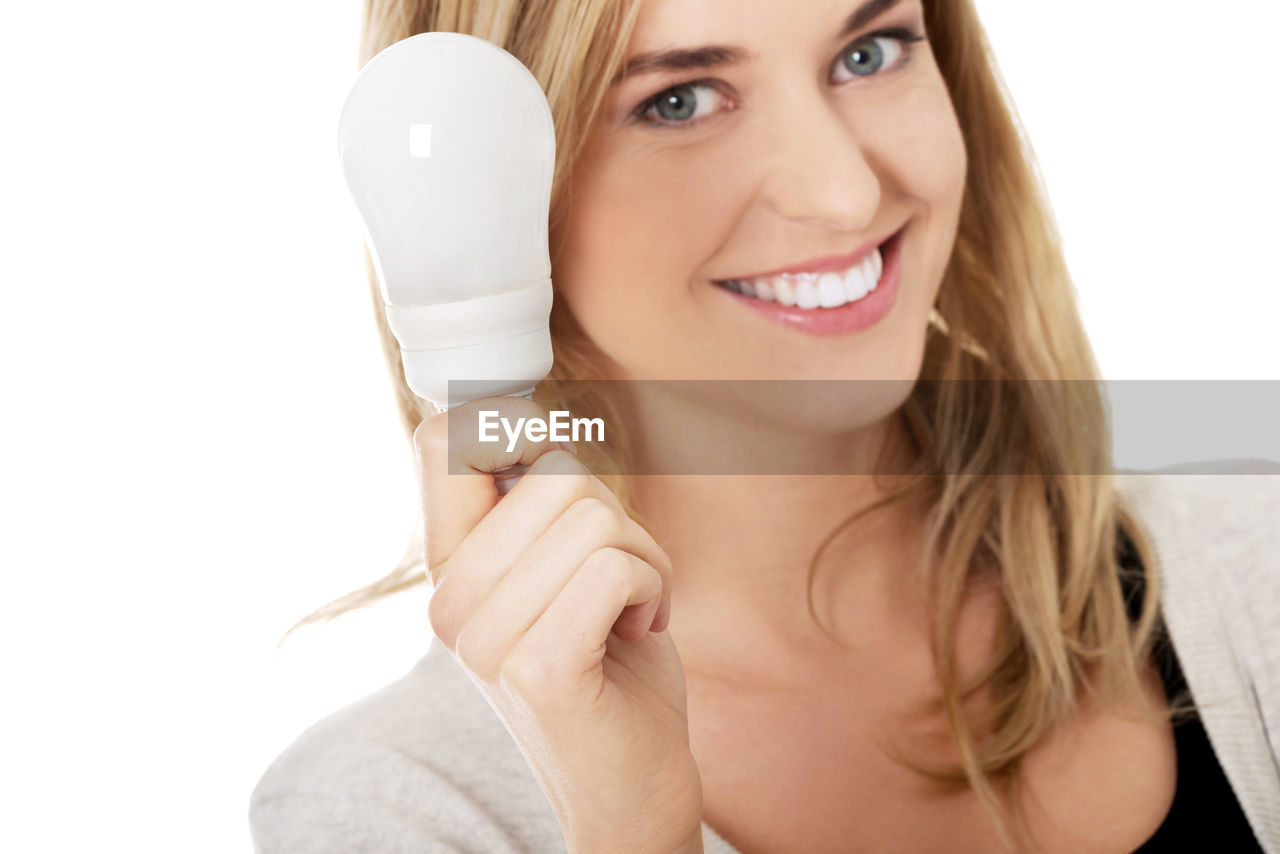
(556, 602)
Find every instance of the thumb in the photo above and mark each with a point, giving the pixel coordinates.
(455, 467)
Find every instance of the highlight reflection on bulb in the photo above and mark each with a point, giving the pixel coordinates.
(448, 148)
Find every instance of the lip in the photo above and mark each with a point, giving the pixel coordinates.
(848, 318)
(825, 264)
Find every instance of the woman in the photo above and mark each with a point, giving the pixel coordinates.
(978, 667)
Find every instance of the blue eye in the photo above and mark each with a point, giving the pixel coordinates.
(868, 57)
(678, 105)
(681, 107)
(873, 53)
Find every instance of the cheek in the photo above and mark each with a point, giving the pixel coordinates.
(924, 159)
(641, 215)
(636, 233)
(927, 149)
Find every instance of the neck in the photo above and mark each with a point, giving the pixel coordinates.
(742, 544)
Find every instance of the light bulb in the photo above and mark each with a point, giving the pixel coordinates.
(447, 145)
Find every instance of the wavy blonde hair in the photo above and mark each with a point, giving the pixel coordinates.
(1018, 474)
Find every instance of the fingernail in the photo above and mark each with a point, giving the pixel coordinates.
(568, 446)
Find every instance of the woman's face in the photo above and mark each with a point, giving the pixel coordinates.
(766, 136)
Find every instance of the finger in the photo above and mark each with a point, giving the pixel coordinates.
(562, 652)
(663, 618)
(555, 482)
(454, 469)
(496, 624)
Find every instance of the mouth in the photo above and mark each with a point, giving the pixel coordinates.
(819, 290)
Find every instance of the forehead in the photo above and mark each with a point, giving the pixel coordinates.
(752, 24)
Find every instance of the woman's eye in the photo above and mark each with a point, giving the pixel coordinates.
(682, 105)
(679, 104)
(870, 55)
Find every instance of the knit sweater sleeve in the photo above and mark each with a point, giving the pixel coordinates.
(421, 766)
(1217, 544)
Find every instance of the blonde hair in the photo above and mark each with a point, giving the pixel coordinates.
(1009, 422)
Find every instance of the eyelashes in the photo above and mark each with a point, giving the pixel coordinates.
(685, 106)
(680, 97)
(900, 39)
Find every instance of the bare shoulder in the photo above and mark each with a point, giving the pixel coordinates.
(1105, 778)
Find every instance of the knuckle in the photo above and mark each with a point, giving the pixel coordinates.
(595, 515)
(525, 674)
(571, 480)
(578, 483)
(471, 650)
(440, 614)
(664, 564)
(431, 435)
(614, 565)
(653, 580)
(536, 679)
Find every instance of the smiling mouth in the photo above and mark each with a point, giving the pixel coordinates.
(818, 290)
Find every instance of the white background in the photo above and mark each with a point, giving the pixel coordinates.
(199, 439)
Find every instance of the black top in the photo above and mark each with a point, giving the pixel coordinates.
(1204, 807)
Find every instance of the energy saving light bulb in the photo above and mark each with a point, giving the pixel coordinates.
(447, 146)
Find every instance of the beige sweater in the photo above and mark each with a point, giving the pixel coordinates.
(425, 764)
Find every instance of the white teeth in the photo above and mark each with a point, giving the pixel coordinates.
(831, 290)
(784, 292)
(807, 295)
(814, 290)
(854, 285)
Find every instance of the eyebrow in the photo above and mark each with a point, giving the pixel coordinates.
(711, 56)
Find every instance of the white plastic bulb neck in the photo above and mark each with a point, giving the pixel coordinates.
(479, 341)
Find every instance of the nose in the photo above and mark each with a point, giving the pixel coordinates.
(819, 172)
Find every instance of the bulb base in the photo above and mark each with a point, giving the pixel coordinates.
(507, 366)
(493, 345)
